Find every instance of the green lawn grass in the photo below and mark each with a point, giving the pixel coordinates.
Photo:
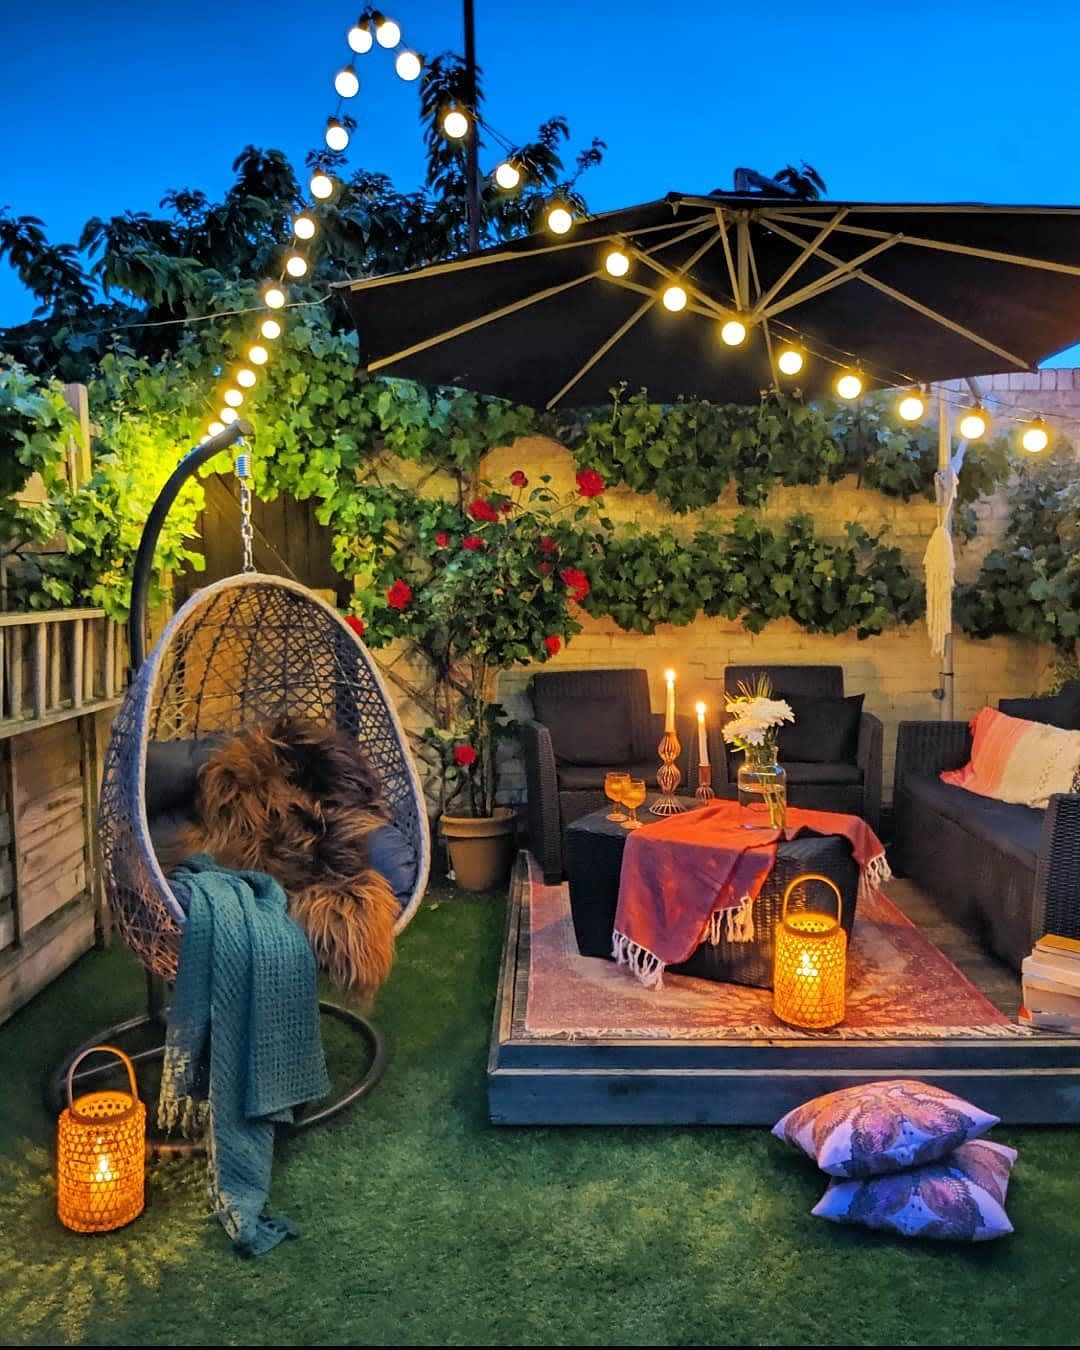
(421, 1223)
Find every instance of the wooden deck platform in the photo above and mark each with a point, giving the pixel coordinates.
(1033, 1079)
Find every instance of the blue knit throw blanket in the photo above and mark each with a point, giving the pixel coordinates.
(243, 1046)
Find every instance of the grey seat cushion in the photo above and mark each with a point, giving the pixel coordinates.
(390, 853)
(1004, 826)
(1059, 710)
(171, 770)
(823, 773)
(590, 777)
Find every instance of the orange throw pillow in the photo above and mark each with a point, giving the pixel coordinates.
(1015, 760)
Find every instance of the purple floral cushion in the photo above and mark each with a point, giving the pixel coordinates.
(960, 1198)
(882, 1127)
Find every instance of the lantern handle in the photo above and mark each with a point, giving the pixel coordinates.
(813, 876)
(100, 1049)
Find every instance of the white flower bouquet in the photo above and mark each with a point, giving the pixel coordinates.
(754, 719)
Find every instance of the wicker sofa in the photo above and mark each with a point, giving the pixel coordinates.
(1008, 873)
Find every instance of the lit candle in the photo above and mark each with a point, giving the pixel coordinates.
(703, 744)
(669, 716)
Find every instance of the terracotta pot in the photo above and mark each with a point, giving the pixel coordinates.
(481, 848)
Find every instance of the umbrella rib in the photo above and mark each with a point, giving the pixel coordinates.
(918, 306)
(830, 279)
(764, 321)
(762, 302)
(602, 350)
(967, 250)
(721, 222)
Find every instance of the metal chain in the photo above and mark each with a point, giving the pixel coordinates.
(247, 534)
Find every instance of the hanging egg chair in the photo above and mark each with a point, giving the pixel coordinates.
(240, 653)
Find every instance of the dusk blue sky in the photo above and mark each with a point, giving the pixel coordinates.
(106, 106)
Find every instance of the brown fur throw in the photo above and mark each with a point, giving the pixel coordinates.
(298, 800)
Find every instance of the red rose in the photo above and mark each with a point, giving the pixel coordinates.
(576, 582)
(480, 509)
(465, 756)
(545, 567)
(553, 643)
(399, 594)
(589, 482)
(518, 479)
(472, 542)
(548, 545)
(442, 539)
(357, 625)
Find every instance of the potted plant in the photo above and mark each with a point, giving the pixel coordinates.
(481, 588)
(755, 718)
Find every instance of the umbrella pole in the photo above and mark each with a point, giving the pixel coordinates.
(944, 464)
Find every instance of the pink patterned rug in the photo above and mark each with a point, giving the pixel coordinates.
(899, 984)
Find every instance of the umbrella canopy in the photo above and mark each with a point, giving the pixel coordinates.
(904, 293)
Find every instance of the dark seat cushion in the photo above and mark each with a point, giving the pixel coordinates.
(1058, 710)
(822, 773)
(590, 777)
(171, 770)
(825, 730)
(1004, 826)
(390, 853)
(587, 731)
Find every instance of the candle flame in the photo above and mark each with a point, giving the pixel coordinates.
(669, 675)
(699, 708)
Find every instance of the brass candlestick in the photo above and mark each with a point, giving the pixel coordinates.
(669, 776)
(704, 783)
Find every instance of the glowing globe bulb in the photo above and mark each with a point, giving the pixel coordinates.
(617, 264)
(674, 298)
(258, 356)
(455, 124)
(322, 186)
(228, 415)
(733, 332)
(973, 424)
(303, 227)
(233, 397)
(273, 297)
(270, 329)
(346, 82)
(1035, 437)
(215, 428)
(790, 361)
(245, 378)
(849, 386)
(387, 33)
(337, 138)
(508, 175)
(559, 220)
(295, 265)
(407, 64)
(359, 38)
(911, 407)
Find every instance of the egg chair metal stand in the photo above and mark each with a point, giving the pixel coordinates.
(240, 652)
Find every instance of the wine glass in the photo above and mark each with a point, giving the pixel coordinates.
(615, 784)
(633, 797)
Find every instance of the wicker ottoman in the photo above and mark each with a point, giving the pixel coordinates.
(593, 849)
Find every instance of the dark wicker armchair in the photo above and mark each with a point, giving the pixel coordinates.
(586, 723)
(853, 785)
(1008, 873)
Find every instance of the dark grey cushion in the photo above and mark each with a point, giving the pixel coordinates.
(825, 730)
(823, 773)
(590, 777)
(171, 770)
(1002, 826)
(390, 853)
(588, 730)
(1058, 710)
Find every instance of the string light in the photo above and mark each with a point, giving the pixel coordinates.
(257, 355)
(733, 332)
(295, 265)
(790, 361)
(407, 64)
(674, 298)
(322, 186)
(559, 220)
(617, 264)
(228, 415)
(215, 428)
(508, 175)
(233, 397)
(347, 82)
(974, 424)
(359, 37)
(273, 297)
(245, 378)
(1035, 437)
(455, 124)
(912, 406)
(303, 227)
(849, 385)
(270, 329)
(337, 136)
(387, 33)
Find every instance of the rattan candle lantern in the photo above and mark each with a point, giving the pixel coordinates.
(101, 1155)
(810, 962)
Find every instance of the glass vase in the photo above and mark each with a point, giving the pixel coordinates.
(762, 790)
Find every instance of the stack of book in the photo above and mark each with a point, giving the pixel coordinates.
(1051, 985)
